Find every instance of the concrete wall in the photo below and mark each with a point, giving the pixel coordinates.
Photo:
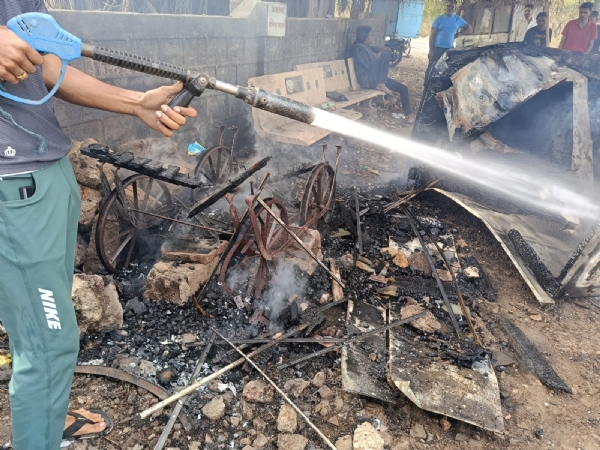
(220, 46)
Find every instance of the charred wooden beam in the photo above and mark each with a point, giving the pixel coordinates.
(220, 193)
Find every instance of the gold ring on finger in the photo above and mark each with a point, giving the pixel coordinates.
(23, 76)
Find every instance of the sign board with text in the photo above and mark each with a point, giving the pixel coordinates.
(271, 18)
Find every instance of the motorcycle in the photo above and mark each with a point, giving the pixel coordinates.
(400, 47)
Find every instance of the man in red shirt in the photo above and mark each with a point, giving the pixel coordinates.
(579, 35)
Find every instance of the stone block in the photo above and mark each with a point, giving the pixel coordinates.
(235, 50)
(90, 203)
(216, 50)
(289, 46)
(291, 442)
(86, 171)
(367, 438)
(171, 51)
(217, 106)
(194, 52)
(203, 252)
(297, 256)
(176, 284)
(97, 305)
(228, 74)
(80, 249)
(273, 48)
(92, 264)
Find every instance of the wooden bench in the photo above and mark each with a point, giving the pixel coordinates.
(341, 78)
(306, 86)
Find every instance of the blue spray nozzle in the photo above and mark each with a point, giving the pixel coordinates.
(44, 34)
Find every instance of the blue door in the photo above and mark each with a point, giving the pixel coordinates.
(389, 9)
(410, 18)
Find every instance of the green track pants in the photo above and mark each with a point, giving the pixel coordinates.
(37, 255)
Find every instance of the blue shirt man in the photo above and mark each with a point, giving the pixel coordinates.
(443, 32)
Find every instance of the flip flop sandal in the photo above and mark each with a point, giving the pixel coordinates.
(81, 421)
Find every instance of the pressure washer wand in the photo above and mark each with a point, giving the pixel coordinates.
(197, 83)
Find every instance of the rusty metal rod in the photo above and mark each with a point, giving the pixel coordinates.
(306, 325)
(359, 241)
(356, 338)
(193, 387)
(461, 300)
(286, 398)
(299, 241)
(193, 225)
(434, 273)
(213, 198)
(326, 340)
(165, 434)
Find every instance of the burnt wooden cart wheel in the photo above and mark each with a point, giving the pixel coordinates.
(216, 167)
(120, 231)
(318, 194)
(261, 236)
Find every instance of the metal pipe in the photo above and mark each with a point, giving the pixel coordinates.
(435, 274)
(356, 338)
(196, 83)
(165, 434)
(193, 225)
(286, 398)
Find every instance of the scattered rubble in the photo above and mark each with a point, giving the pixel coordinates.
(96, 302)
(367, 438)
(176, 283)
(257, 391)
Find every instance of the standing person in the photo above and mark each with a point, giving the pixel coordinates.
(537, 35)
(579, 34)
(371, 65)
(596, 47)
(444, 30)
(525, 24)
(39, 212)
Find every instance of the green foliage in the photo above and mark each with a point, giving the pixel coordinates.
(433, 8)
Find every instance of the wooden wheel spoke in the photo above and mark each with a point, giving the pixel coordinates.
(212, 169)
(219, 172)
(135, 195)
(122, 246)
(147, 196)
(119, 236)
(224, 173)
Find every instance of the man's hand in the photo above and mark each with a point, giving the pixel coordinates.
(154, 111)
(17, 58)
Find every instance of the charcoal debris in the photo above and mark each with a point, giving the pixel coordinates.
(533, 358)
(540, 271)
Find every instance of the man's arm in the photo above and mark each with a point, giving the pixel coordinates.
(84, 90)
(590, 46)
(431, 42)
(466, 29)
(562, 42)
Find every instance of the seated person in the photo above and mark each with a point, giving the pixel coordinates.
(537, 35)
(372, 64)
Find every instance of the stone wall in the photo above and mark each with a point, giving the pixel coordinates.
(225, 47)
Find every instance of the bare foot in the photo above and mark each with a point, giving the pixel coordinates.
(97, 427)
(382, 87)
(411, 118)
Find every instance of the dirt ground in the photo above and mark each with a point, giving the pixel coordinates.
(535, 417)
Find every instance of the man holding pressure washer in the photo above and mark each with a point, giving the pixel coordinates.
(39, 213)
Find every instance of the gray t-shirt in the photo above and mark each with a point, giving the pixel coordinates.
(30, 136)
